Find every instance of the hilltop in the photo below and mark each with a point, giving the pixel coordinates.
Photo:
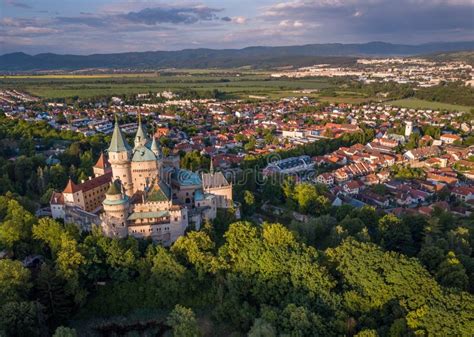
(464, 56)
(256, 57)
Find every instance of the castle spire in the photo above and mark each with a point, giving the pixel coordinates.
(140, 137)
(118, 142)
(155, 147)
(211, 167)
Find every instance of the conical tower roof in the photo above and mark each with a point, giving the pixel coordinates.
(70, 187)
(113, 189)
(140, 137)
(102, 162)
(118, 142)
(156, 149)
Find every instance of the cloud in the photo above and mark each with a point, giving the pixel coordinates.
(174, 15)
(92, 20)
(18, 4)
(240, 20)
(290, 23)
(368, 19)
(148, 16)
(14, 27)
(127, 25)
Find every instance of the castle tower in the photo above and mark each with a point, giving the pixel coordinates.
(116, 208)
(408, 129)
(140, 137)
(120, 155)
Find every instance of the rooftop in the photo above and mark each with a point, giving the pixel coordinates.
(118, 142)
(148, 215)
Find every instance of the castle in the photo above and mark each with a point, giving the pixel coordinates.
(138, 192)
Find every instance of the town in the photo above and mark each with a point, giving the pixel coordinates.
(409, 160)
(401, 70)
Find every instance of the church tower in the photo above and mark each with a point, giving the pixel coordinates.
(120, 155)
(408, 129)
(116, 207)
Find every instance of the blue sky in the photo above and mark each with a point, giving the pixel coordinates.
(105, 26)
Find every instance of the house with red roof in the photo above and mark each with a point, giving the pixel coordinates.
(464, 193)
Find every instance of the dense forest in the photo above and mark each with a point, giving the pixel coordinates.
(325, 278)
(454, 93)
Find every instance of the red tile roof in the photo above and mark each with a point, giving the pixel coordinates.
(71, 187)
(102, 162)
(88, 184)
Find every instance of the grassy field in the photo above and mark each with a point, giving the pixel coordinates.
(414, 103)
(237, 84)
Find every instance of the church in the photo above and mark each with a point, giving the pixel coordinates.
(138, 192)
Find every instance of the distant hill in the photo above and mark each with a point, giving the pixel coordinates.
(257, 57)
(464, 56)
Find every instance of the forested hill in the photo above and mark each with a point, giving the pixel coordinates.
(464, 56)
(259, 57)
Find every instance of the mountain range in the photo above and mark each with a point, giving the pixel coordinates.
(257, 57)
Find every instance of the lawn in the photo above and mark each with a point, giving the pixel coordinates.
(414, 103)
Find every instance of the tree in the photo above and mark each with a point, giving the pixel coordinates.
(58, 177)
(367, 333)
(451, 273)
(396, 235)
(431, 256)
(196, 249)
(183, 322)
(309, 200)
(62, 331)
(250, 146)
(49, 231)
(262, 328)
(299, 321)
(19, 319)
(14, 280)
(272, 189)
(387, 278)
(249, 202)
(269, 266)
(52, 295)
(17, 225)
(194, 160)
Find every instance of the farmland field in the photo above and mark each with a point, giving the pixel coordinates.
(236, 84)
(413, 103)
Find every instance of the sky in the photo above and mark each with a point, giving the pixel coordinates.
(106, 26)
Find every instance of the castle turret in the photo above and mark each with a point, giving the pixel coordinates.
(102, 166)
(116, 209)
(120, 156)
(156, 149)
(140, 137)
